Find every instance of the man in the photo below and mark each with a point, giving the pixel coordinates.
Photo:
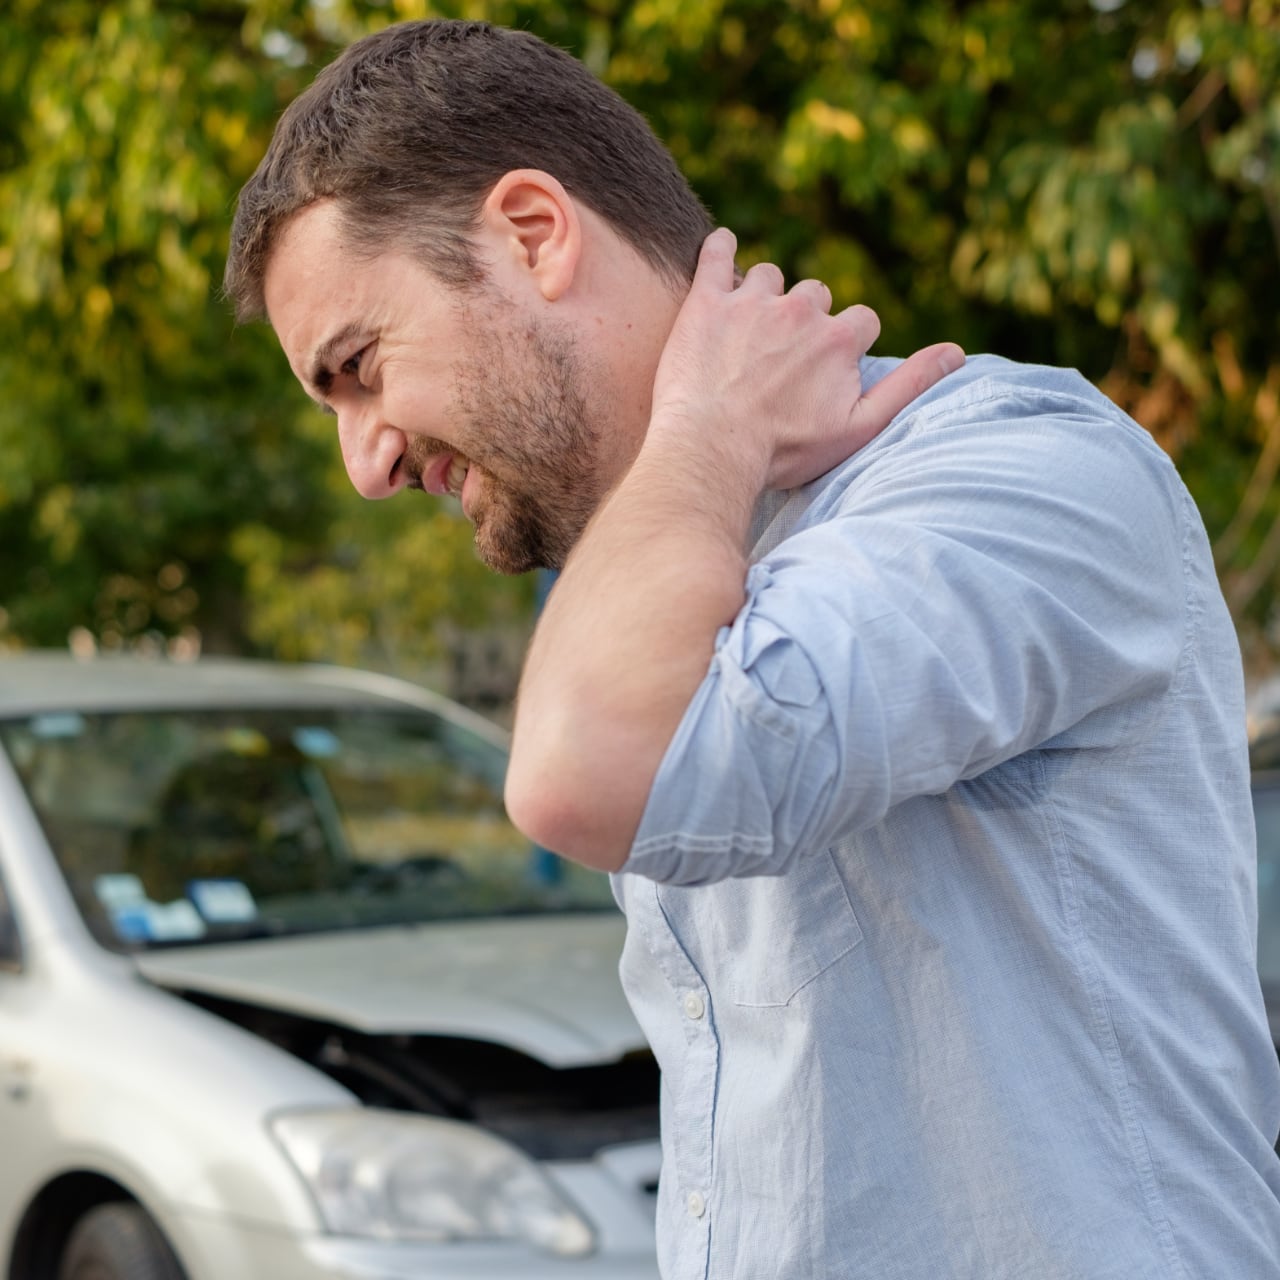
(918, 751)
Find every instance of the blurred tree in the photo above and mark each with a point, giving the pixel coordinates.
(1089, 182)
(160, 475)
(135, 430)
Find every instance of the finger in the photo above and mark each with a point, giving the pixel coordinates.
(764, 277)
(815, 290)
(863, 323)
(912, 378)
(715, 261)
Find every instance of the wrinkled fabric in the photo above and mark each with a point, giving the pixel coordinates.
(942, 911)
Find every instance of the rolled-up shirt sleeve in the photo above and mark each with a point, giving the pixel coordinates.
(1003, 579)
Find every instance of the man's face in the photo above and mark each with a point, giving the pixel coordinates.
(442, 390)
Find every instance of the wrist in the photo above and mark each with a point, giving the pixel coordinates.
(721, 471)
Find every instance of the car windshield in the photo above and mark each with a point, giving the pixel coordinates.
(178, 828)
(1266, 808)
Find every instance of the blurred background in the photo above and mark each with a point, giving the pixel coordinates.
(1094, 183)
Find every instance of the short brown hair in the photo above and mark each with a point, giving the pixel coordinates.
(409, 129)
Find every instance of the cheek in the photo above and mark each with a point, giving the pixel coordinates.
(413, 398)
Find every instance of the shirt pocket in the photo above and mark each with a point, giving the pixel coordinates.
(777, 934)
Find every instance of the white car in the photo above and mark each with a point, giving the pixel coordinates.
(283, 995)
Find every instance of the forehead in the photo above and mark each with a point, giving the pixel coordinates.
(309, 246)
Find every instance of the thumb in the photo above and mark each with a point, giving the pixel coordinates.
(912, 378)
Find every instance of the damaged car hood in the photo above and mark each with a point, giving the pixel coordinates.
(547, 986)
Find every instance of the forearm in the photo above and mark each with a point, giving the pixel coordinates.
(624, 643)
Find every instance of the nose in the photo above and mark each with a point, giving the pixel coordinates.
(371, 451)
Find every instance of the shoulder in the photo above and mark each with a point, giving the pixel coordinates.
(1019, 439)
(986, 378)
(1013, 473)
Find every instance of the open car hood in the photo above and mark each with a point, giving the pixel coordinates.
(547, 986)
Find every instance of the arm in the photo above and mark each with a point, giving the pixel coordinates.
(757, 389)
(999, 593)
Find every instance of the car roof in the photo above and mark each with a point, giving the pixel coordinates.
(41, 681)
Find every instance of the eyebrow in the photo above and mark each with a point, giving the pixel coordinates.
(322, 361)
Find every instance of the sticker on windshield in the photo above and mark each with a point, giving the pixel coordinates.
(246, 741)
(175, 921)
(132, 923)
(223, 901)
(64, 724)
(147, 921)
(316, 742)
(116, 892)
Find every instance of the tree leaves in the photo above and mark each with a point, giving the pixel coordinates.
(1093, 184)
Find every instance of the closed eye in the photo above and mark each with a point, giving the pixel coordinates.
(351, 365)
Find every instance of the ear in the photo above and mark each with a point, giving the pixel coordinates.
(533, 222)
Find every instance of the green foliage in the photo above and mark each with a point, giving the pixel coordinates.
(1093, 184)
(134, 431)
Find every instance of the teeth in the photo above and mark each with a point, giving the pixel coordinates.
(456, 475)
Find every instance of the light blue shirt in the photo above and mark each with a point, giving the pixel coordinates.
(942, 911)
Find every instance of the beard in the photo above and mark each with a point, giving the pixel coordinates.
(520, 397)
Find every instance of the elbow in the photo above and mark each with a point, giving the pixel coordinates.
(569, 820)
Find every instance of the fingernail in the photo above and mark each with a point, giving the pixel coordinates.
(951, 358)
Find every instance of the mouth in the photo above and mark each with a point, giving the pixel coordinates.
(446, 475)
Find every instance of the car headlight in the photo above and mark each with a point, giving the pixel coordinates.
(391, 1175)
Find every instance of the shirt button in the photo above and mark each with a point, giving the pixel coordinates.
(697, 1205)
(693, 1006)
